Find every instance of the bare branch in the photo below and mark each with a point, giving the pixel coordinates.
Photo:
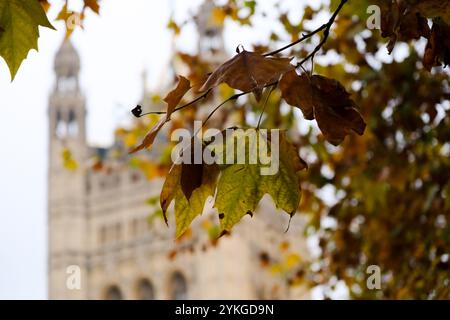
(325, 27)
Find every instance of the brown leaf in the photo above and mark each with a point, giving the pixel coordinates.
(174, 97)
(249, 71)
(390, 13)
(402, 23)
(45, 4)
(169, 188)
(191, 178)
(438, 46)
(297, 91)
(334, 111)
(325, 100)
(431, 55)
(150, 137)
(93, 5)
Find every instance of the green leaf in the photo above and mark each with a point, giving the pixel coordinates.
(186, 211)
(19, 21)
(241, 186)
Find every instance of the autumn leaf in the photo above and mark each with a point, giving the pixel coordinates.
(150, 137)
(45, 5)
(241, 186)
(173, 26)
(438, 46)
(169, 188)
(327, 101)
(401, 23)
(66, 15)
(191, 178)
(296, 90)
(93, 5)
(186, 210)
(434, 9)
(68, 161)
(249, 72)
(174, 97)
(19, 22)
(335, 112)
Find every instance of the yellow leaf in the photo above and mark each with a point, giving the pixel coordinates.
(218, 17)
(291, 260)
(68, 162)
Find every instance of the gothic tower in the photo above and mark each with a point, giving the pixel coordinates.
(67, 218)
(211, 44)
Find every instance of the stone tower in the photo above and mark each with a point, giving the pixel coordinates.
(67, 189)
(211, 44)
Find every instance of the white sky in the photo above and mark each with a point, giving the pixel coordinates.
(115, 48)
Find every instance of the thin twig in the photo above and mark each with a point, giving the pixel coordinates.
(326, 33)
(303, 38)
(203, 96)
(265, 104)
(325, 27)
(233, 97)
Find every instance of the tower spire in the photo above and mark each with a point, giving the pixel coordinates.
(67, 110)
(211, 44)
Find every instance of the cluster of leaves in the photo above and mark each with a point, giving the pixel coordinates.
(240, 187)
(392, 183)
(73, 19)
(19, 27)
(408, 20)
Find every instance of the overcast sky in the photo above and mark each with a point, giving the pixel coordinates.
(130, 36)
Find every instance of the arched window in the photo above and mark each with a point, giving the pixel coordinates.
(145, 290)
(113, 293)
(61, 127)
(178, 287)
(72, 128)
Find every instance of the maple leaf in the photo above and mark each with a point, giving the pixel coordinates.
(433, 9)
(169, 188)
(438, 46)
(241, 186)
(93, 5)
(401, 23)
(249, 71)
(150, 137)
(68, 161)
(297, 92)
(186, 210)
(191, 178)
(327, 101)
(174, 97)
(19, 22)
(45, 5)
(66, 15)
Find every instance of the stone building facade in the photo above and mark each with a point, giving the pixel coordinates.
(98, 221)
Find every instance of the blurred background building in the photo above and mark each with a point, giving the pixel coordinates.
(98, 221)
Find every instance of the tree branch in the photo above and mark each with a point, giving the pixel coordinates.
(326, 33)
(203, 96)
(325, 27)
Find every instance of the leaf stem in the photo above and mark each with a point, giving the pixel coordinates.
(265, 104)
(203, 96)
